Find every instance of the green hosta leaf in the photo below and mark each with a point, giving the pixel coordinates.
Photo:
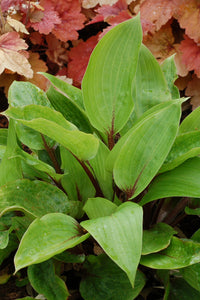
(46, 237)
(150, 86)
(12, 245)
(105, 280)
(10, 167)
(44, 280)
(69, 90)
(179, 254)
(179, 289)
(169, 69)
(191, 122)
(38, 165)
(183, 181)
(76, 182)
(3, 136)
(157, 238)
(99, 207)
(120, 236)
(4, 239)
(25, 93)
(104, 178)
(186, 146)
(54, 125)
(145, 149)
(107, 84)
(70, 110)
(34, 197)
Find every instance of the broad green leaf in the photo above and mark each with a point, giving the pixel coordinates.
(75, 182)
(70, 110)
(4, 238)
(183, 181)
(105, 280)
(54, 125)
(104, 178)
(25, 93)
(145, 149)
(10, 166)
(191, 122)
(34, 197)
(22, 94)
(120, 236)
(46, 237)
(181, 290)
(157, 238)
(144, 118)
(186, 146)
(44, 280)
(69, 90)
(12, 245)
(32, 138)
(39, 165)
(107, 83)
(150, 87)
(99, 207)
(3, 136)
(169, 69)
(180, 253)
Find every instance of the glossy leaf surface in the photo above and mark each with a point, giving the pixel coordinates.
(183, 181)
(179, 254)
(44, 280)
(120, 236)
(179, 289)
(157, 238)
(99, 207)
(105, 280)
(107, 83)
(35, 197)
(55, 126)
(150, 87)
(145, 149)
(191, 122)
(46, 237)
(169, 69)
(70, 110)
(186, 146)
(69, 90)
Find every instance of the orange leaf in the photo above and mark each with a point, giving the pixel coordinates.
(193, 89)
(11, 59)
(190, 55)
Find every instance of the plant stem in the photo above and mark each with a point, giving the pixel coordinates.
(177, 209)
(52, 156)
(92, 178)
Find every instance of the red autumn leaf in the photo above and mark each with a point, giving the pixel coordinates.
(72, 19)
(161, 43)
(193, 90)
(156, 13)
(190, 55)
(188, 15)
(49, 18)
(79, 57)
(57, 50)
(108, 11)
(11, 58)
(5, 4)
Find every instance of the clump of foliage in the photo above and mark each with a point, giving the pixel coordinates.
(59, 36)
(107, 174)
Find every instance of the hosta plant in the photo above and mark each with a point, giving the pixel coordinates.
(94, 182)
